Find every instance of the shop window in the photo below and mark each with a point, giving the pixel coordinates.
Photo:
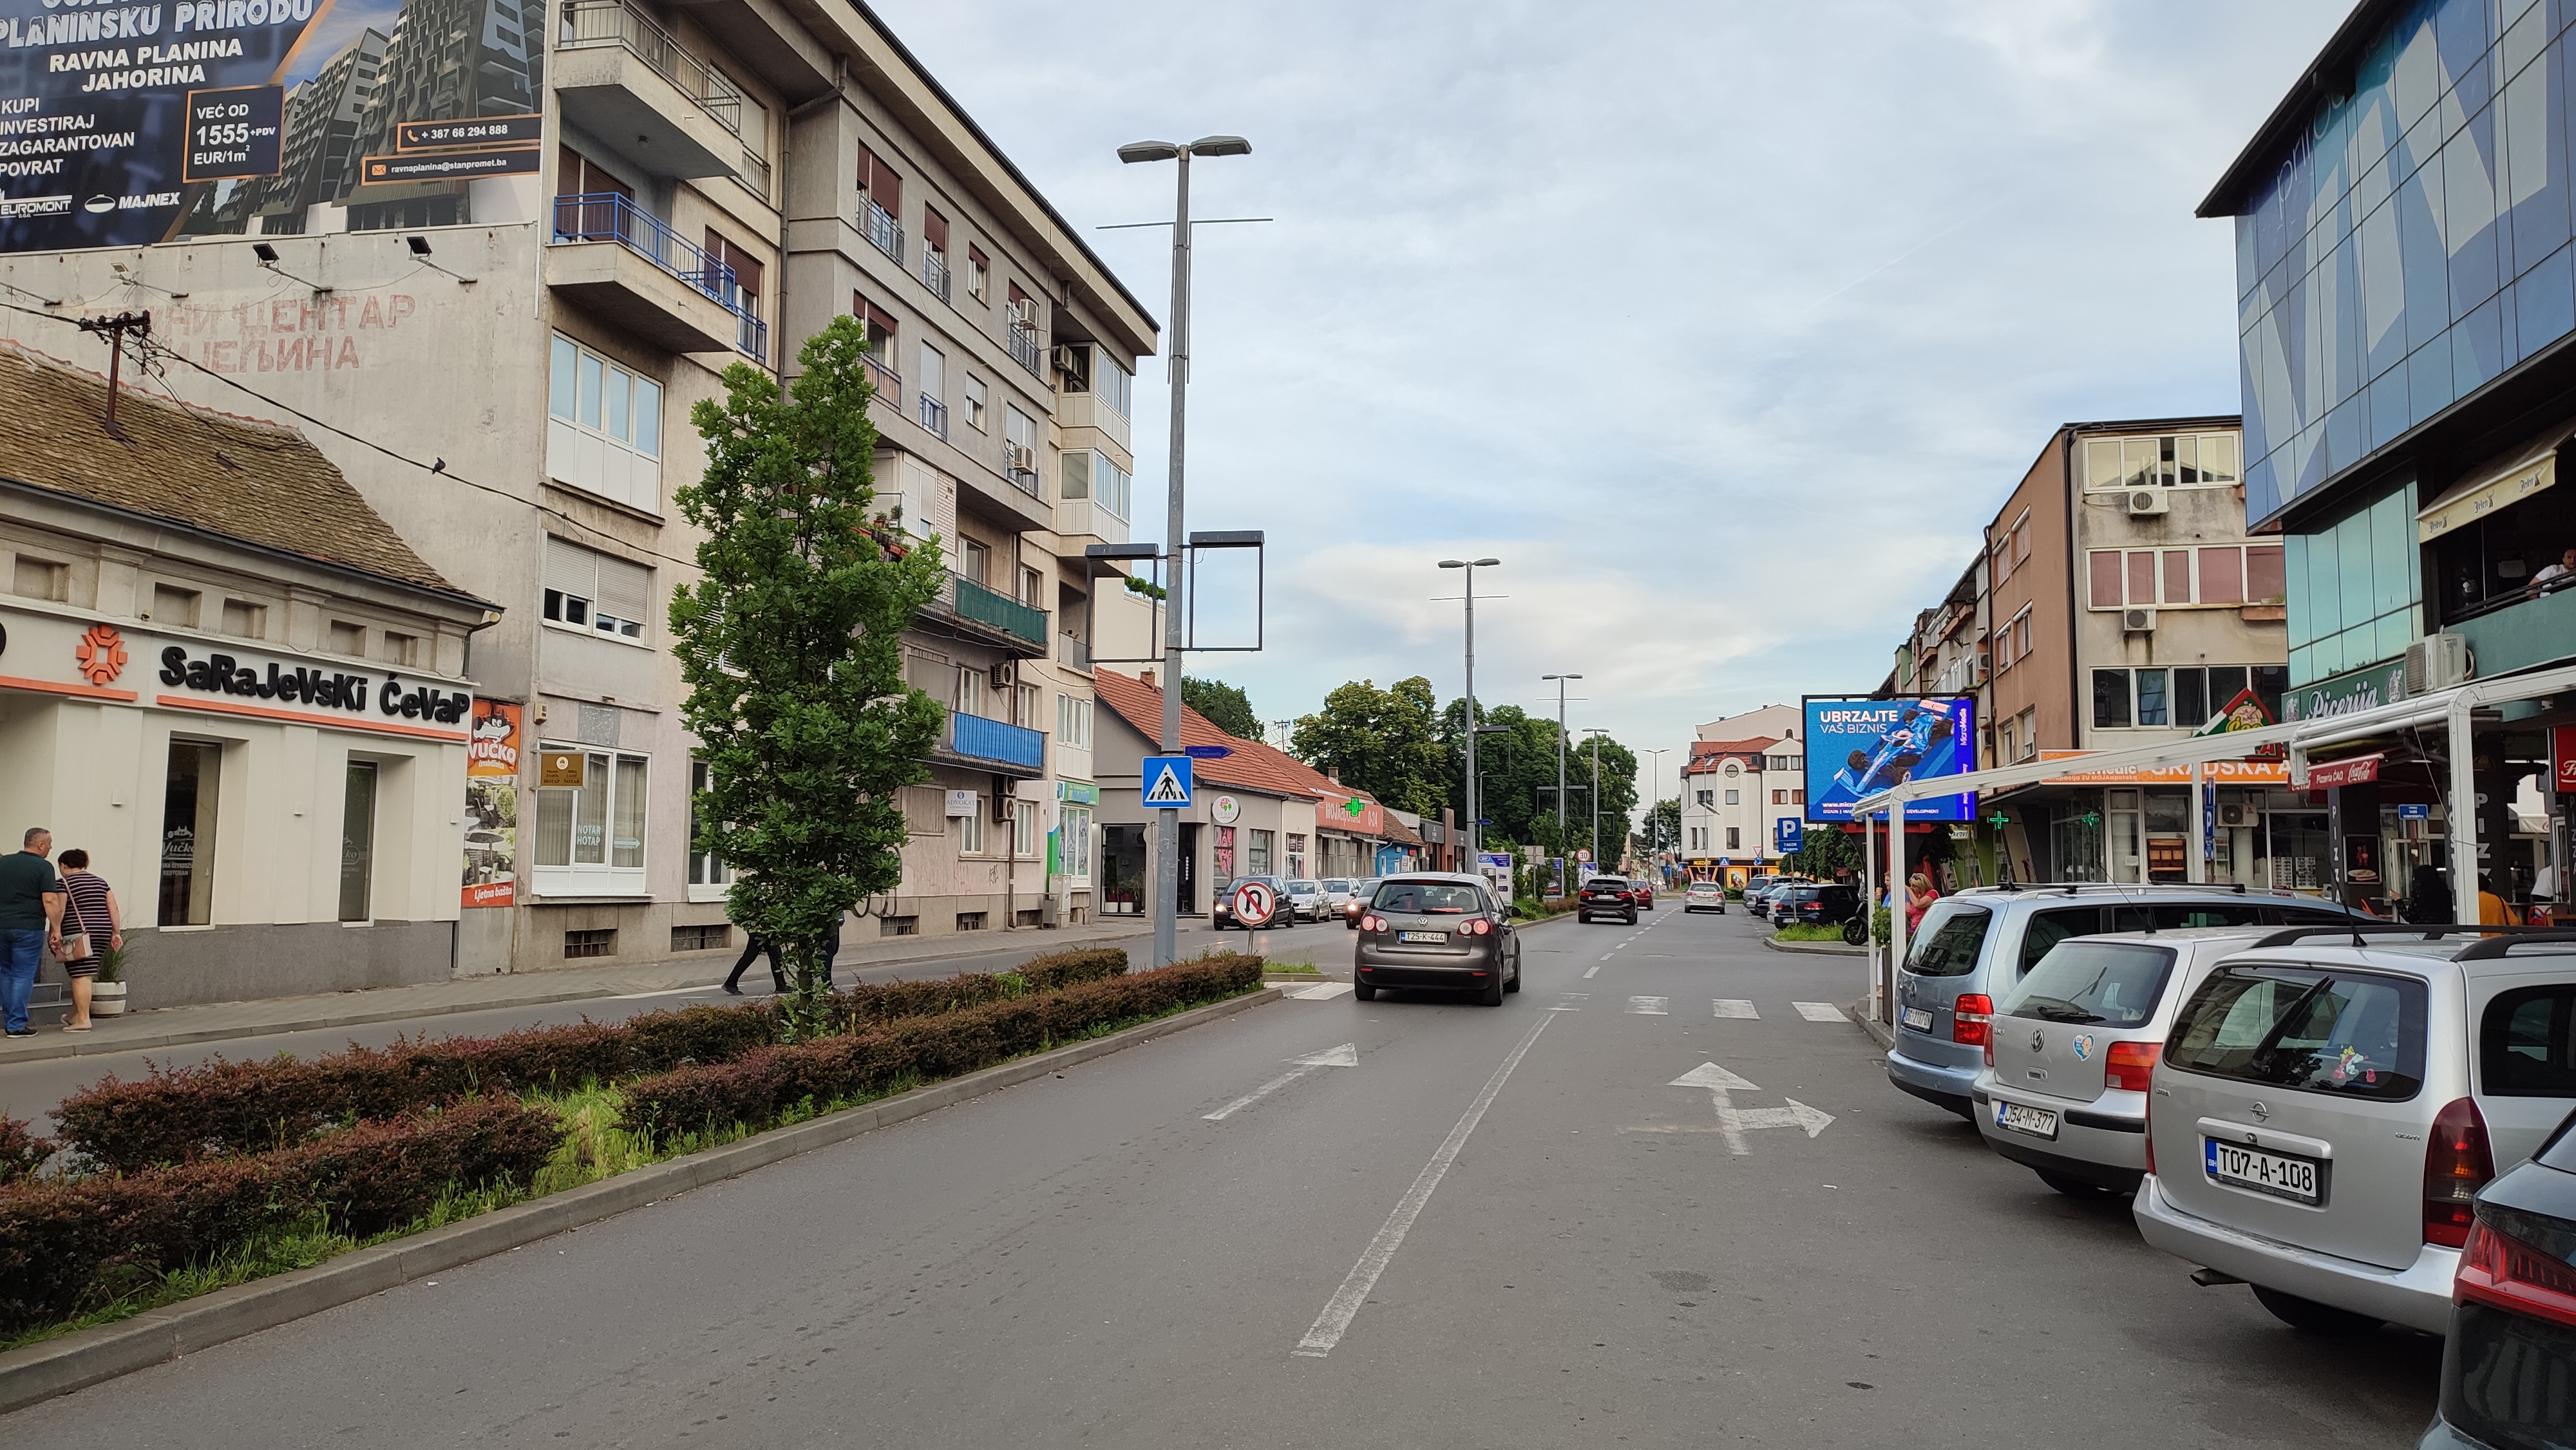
(603, 427)
(188, 819)
(42, 579)
(590, 837)
(1257, 854)
(595, 592)
(172, 605)
(358, 842)
(1296, 856)
(1074, 837)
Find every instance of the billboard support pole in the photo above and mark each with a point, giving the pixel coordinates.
(1896, 888)
(1869, 905)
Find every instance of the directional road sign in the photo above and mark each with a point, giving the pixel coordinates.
(1167, 780)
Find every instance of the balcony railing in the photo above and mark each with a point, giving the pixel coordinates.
(607, 216)
(884, 232)
(1024, 344)
(934, 415)
(755, 173)
(972, 737)
(1023, 476)
(991, 607)
(934, 272)
(751, 336)
(1074, 650)
(613, 22)
(889, 383)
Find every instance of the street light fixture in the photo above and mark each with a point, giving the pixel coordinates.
(1474, 811)
(1167, 833)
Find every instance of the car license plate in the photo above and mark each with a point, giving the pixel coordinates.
(1918, 1019)
(2037, 1122)
(2277, 1174)
(1434, 938)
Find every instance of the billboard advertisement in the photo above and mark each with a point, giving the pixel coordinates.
(492, 805)
(127, 124)
(1859, 747)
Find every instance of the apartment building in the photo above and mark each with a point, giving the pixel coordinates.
(499, 261)
(1746, 774)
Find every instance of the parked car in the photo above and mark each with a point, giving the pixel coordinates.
(2513, 1311)
(2325, 1113)
(1704, 896)
(1759, 882)
(1436, 929)
(1607, 896)
(1356, 900)
(2064, 1090)
(1770, 897)
(1282, 916)
(1974, 946)
(1645, 892)
(1819, 905)
(1307, 897)
(1337, 893)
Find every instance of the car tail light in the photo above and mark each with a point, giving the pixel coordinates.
(2131, 1065)
(1990, 1049)
(2457, 1164)
(1972, 1019)
(2500, 1270)
(1372, 922)
(2151, 1134)
(1480, 927)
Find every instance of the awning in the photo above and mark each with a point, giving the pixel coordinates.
(2486, 491)
(2359, 770)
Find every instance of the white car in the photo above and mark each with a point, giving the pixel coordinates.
(1704, 896)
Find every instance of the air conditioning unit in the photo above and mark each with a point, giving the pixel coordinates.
(2144, 502)
(2236, 815)
(2137, 621)
(1021, 459)
(2437, 662)
(1074, 364)
(1006, 674)
(1005, 790)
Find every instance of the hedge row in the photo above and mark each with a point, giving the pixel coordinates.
(71, 1245)
(760, 1087)
(221, 1108)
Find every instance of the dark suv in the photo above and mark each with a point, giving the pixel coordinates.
(1607, 896)
(1815, 905)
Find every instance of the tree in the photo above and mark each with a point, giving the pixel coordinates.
(1225, 706)
(1825, 854)
(1379, 741)
(790, 645)
(1664, 825)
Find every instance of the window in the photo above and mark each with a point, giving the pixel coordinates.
(597, 942)
(1257, 853)
(979, 275)
(2047, 928)
(174, 606)
(1735, 797)
(1952, 937)
(706, 868)
(1020, 449)
(2111, 984)
(1024, 708)
(1734, 838)
(2307, 1030)
(348, 639)
(1296, 855)
(934, 251)
(2153, 709)
(1093, 475)
(975, 560)
(1032, 587)
(930, 386)
(1708, 798)
(42, 579)
(358, 841)
(1073, 721)
(880, 204)
(600, 593)
(1779, 797)
(744, 298)
(2228, 576)
(2525, 1047)
(1797, 797)
(603, 427)
(1024, 829)
(188, 796)
(2029, 734)
(712, 936)
(975, 414)
(245, 620)
(970, 690)
(1111, 383)
(1074, 842)
(2008, 738)
(755, 142)
(2186, 459)
(592, 835)
(2110, 699)
(2185, 696)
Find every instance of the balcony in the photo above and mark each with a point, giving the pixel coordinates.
(934, 415)
(1073, 650)
(619, 75)
(751, 338)
(1023, 339)
(889, 383)
(988, 617)
(934, 273)
(980, 744)
(2515, 633)
(627, 265)
(883, 231)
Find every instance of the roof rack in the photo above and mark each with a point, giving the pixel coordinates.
(2428, 931)
(2071, 888)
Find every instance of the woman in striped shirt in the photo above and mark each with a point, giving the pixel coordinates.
(92, 911)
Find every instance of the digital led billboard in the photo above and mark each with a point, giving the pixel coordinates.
(1859, 747)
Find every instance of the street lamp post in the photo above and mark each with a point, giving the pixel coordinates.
(1167, 830)
(1596, 732)
(1655, 805)
(1473, 806)
(1560, 751)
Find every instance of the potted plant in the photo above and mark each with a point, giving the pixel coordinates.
(107, 990)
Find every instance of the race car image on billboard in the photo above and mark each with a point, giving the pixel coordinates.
(1859, 747)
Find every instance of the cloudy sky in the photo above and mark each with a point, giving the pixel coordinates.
(1726, 326)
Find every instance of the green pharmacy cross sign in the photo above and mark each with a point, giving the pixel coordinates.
(2092, 818)
(1354, 808)
(1999, 820)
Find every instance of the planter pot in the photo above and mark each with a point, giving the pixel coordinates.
(107, 999)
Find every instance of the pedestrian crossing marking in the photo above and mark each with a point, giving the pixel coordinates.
(1649, 1006)
(1819, 1011)
(1731, 1007)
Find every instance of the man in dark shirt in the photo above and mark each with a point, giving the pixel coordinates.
(31, 919)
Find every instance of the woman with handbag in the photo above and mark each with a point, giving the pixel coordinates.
(90, 921)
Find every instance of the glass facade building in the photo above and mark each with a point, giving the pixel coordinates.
(2356, 588)
(2409, 248)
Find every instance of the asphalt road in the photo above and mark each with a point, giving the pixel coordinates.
(1094, 1259)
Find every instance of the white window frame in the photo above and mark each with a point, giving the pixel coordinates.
(710, 875)
(601, 878)
(1111, 383)
(588, 445)
(1073, 828)
(561, 604)
(2117, 442)
(970, 691)
(1073, 722)
(1028, 838)
(976, 416)
(970, 830)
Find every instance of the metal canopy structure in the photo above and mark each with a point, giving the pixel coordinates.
(2454, 709)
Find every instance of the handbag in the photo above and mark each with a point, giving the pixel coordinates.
(73, 948)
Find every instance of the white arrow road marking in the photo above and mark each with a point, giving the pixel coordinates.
(1335, 1321)
(1714, 1078)
(1819, 1011)
(1796, 1115)
(1649, 1006)
(1733, 1007)
(1346, 1055)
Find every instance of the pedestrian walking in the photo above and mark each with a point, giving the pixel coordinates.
(92, 922)
(31, 916)
(756, 947)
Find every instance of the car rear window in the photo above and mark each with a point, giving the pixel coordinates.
(2094, 983)
(1336, 885)
(2524, 1049)
(1605, 883)
(2047, 928)
(1429, 898)
(2308, 1029)
(1953, 934)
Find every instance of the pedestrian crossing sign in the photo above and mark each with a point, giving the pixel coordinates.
(1167, 780)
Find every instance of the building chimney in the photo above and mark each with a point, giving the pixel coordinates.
(1333, 773)
(1147, 676)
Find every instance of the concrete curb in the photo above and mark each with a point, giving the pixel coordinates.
(1814, 948)
(76, 1361)
(1878, 1031)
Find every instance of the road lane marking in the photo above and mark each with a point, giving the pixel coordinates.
(1346, 1055)
(1593, 971)
(1819, 1011)
(1321, 993)
(1335, 1321)
(1649, 1006)
(1734, 1007)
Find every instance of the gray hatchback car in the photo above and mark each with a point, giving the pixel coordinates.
(1436, 929)
(1973, 947)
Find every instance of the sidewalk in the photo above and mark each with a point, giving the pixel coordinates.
(877, 960)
